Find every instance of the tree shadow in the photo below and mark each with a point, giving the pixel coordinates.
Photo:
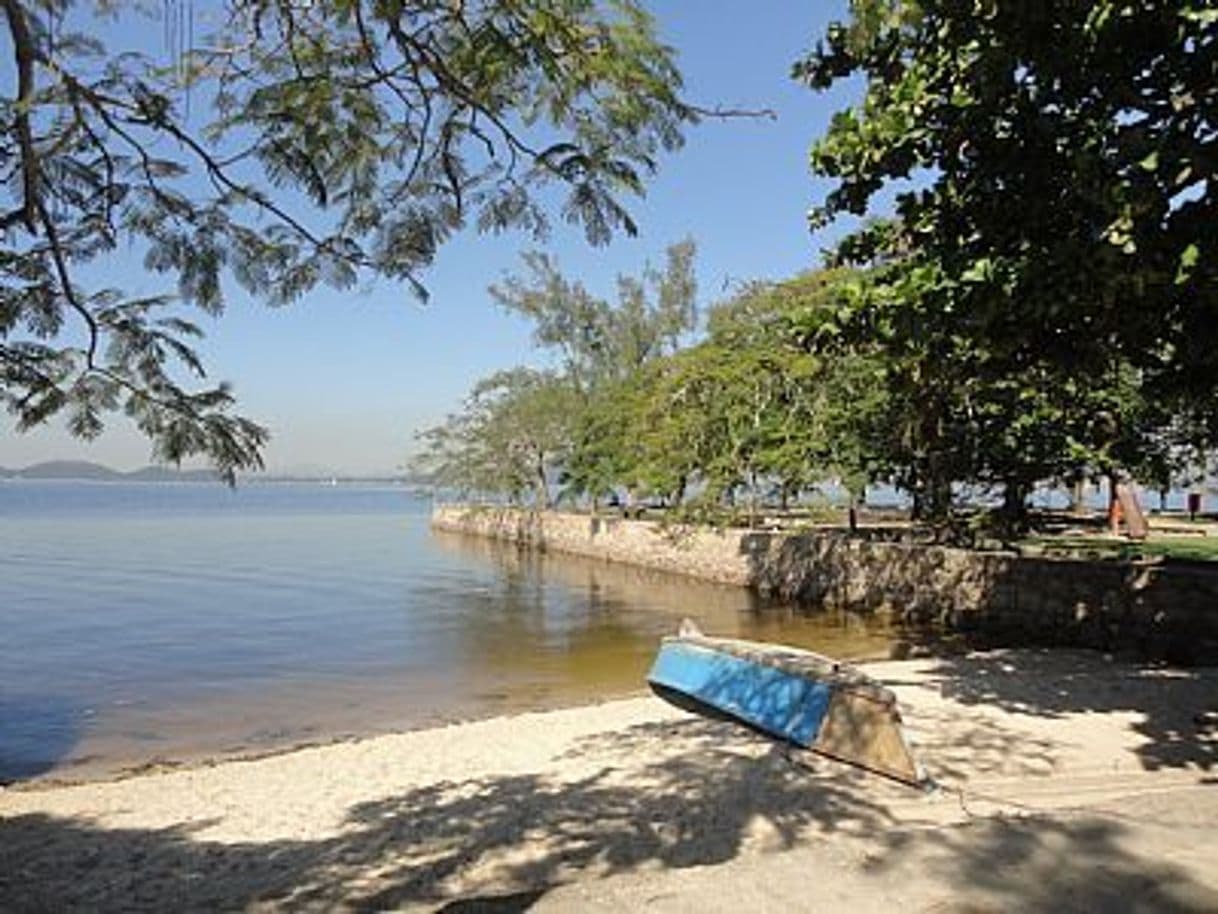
(510, 903)
(488, 839)
(1176, 709)
(707, 793)
(1042, 866)
(955, 746)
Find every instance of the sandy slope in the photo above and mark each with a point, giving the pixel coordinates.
(1067, 783)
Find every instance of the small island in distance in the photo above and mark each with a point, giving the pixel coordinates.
(87, 471)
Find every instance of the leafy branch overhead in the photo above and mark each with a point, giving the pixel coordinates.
(344, 139)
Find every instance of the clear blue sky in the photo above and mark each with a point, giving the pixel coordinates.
(344, 380)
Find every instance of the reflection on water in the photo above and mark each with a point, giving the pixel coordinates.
(176, 622)
(604, 636)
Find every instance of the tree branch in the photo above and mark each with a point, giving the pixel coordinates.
(722, 113)
(65, 281)
(26, 54)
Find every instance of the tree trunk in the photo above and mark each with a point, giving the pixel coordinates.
(937, 493)
(543, 490)
(1015, 507)
(1078, 496)
(1131, 511)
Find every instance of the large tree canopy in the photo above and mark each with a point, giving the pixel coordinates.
(300, 143)
(1057, 243)
(1070, 148)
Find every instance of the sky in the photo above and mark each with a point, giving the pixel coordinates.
(344, 380)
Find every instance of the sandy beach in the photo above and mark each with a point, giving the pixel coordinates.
(1067, 781)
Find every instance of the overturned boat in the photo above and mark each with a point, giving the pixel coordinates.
(795, 695)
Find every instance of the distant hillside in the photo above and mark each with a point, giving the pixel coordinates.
(84, 470)
(95, 472)
(68, 469)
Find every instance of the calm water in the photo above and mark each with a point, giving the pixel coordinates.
(147, 623)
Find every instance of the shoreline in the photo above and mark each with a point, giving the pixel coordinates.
(123, 771)
(192, 762)
(1056, 769)
(187, 761)
(298, 709)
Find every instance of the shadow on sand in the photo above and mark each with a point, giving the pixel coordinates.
(1176, 710)
(500, 844)
(449, 841)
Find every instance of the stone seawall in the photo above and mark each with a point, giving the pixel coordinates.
(698, 552)
(1155, 608)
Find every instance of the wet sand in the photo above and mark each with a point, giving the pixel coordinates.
(1067, 782)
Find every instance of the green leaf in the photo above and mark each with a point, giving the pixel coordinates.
(1205, 15)
(981, 271)
(1188, 260)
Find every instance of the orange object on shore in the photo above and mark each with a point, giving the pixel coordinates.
(1135, 520)
(1123, 506)
(1114, 516)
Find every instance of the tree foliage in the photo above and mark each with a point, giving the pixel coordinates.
(510, 438)
(1048, 288)
(340, 139)
(600, 342)
(1039, 308)
(585, 411)
(753, 407)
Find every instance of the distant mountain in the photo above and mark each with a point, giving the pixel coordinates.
(68, 469)
(96, 472)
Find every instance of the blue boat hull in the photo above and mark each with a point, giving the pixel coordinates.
(774, 701)
(802, 698)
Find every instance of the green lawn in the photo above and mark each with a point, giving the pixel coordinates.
(1193, 548)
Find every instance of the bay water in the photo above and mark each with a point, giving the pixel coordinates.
(147, 624)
